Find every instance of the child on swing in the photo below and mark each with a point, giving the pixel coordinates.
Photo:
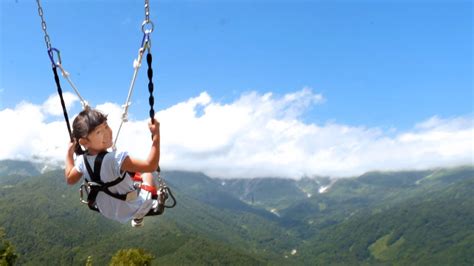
(91, 131)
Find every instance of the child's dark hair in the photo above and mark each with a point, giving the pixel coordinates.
(84, 123)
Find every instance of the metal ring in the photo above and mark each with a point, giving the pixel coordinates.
(150, 29)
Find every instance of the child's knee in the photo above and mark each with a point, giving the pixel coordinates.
(148, 179)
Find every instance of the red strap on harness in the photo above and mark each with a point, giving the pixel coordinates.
(151, 189)
(137, 177)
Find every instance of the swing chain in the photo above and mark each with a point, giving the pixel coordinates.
(147, 20)
(146, 44)
(147, 11)
(47, 40)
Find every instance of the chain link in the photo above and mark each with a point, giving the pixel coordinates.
(47, 40)
(147, 11)
(147, 21)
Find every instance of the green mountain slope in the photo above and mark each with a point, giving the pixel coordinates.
(393, 218)
(45, 221)
(435, 228)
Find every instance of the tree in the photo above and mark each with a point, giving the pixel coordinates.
(89, 261)
(135, 257)
(7, 251)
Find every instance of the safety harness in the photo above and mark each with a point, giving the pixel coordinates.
(95, 185)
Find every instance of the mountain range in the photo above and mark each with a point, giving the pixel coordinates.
(379, 218)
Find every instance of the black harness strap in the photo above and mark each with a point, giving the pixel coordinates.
(98, 165)
(63, 105)
(104, 187)
(95, 174)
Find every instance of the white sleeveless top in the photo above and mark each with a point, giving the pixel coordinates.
(112, 208)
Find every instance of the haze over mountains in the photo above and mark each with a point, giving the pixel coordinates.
(406, 217)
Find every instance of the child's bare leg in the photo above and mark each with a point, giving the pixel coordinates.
(148, 179)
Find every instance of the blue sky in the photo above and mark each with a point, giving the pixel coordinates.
(378, 65)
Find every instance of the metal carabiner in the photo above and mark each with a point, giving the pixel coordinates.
(51, 52)
(146, 42)
(84, 188)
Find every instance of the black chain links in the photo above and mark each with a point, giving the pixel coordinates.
(151, 99)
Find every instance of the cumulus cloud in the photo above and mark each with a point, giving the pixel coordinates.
(257, 135)
(52, 107)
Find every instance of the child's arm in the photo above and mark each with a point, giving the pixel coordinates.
(70, 172)
(151, 163)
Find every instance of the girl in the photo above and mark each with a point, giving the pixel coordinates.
(90, 130)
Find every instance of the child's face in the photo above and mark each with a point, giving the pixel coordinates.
(100, 139)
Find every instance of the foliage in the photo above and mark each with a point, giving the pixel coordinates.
(131, 257)
(7, 251)
(89, 261)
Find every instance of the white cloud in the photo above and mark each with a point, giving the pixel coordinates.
(257, 135)
(53, 107)
(24, 133)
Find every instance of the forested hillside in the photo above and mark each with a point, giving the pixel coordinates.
(410, 217)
